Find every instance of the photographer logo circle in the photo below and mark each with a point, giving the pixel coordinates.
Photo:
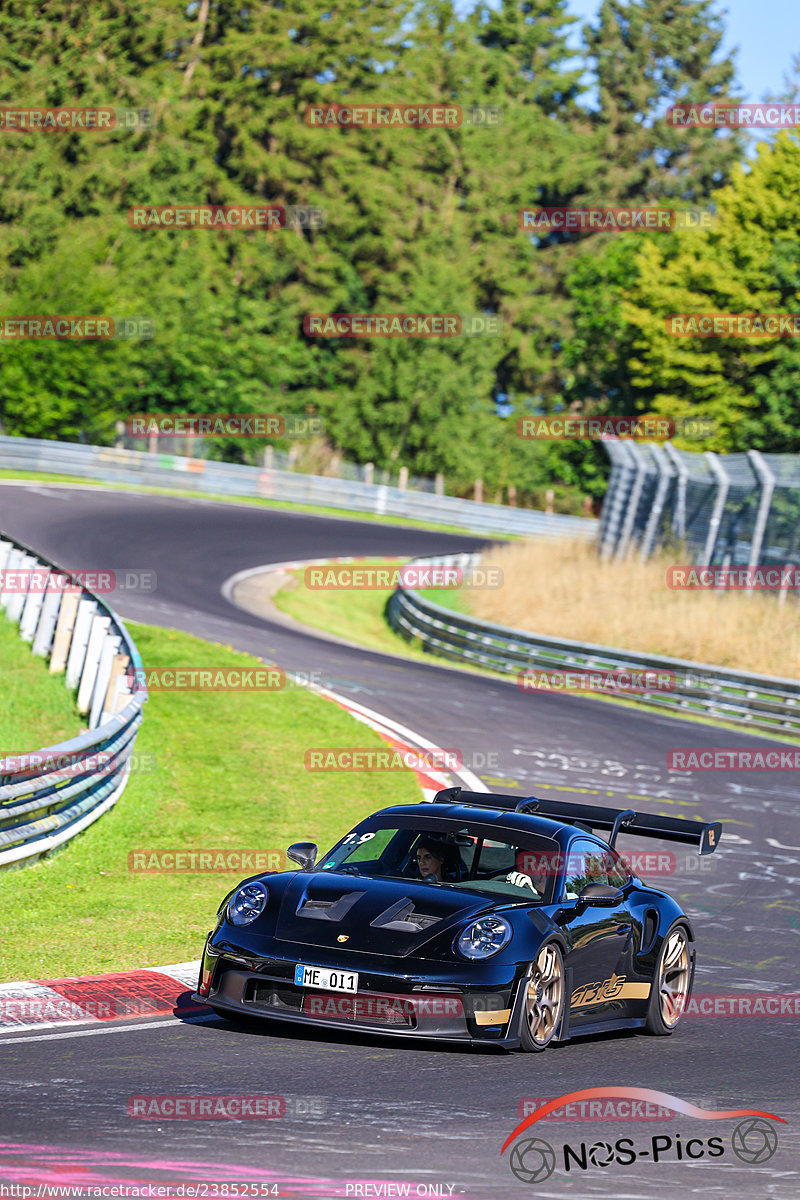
(754, 1141)
(601, 1154)
(533, 1160)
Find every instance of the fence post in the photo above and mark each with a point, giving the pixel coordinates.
(640, 465)
(614, 499)
(723, 487)
(767, 480)
(665, 475)
(679, 515)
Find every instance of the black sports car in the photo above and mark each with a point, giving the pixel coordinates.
(478, 918)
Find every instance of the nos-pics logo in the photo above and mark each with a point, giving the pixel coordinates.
(532, 1159)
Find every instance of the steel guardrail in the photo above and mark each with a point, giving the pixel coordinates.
(48, 796)
(107, 464)
(739, 697)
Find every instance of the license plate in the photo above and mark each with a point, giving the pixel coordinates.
(326, 978)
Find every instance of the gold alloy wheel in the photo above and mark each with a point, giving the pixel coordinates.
(545, 995)
(673, 985)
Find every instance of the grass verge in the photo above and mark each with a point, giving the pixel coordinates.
(358, 615)
(229, 776)
(36, 710)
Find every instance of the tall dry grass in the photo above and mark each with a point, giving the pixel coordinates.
(560, 588)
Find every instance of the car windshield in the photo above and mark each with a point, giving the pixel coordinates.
(494, 861)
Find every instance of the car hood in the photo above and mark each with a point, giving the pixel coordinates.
(394, 917)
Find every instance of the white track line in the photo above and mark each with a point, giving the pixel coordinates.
(95, 1031)
(370, 715)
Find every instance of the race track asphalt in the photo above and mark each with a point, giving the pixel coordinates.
(389, 1112)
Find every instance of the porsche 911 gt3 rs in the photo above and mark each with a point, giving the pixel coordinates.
(479, 918)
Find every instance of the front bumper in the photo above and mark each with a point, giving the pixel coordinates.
(477, 1004)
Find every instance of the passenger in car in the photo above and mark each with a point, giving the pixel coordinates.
(439, 861)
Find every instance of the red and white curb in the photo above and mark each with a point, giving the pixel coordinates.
(95, 999)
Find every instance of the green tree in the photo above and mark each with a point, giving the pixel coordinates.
(748, 263)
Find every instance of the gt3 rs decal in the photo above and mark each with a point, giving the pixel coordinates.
(602, 990)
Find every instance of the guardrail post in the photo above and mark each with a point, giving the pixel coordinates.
(18, 597)
(32, 607)
(80, 640)
(43, 635)
(14, 559)
(62, 638)
(91, 662)
(108, 651)
(114, 690)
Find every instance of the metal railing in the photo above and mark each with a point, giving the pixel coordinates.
(50, 795)
(726, 509)
(109, 465)
(701, 689)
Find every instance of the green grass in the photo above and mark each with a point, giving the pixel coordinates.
(36, 710)
(229, 775)
(357, 615)
(280, 505)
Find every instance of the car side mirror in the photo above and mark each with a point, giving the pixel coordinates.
(304, 854)
(596, 894)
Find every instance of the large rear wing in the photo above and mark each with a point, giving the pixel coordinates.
(591, 816)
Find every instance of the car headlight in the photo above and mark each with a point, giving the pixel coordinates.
(247, 903)
(484, 937)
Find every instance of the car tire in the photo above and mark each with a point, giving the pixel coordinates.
(544, 999)
(671, 981)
